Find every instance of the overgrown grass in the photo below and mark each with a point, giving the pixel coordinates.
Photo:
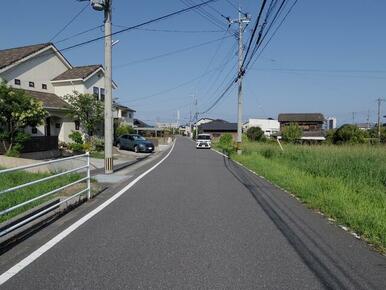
(348, 183)
(8, 180)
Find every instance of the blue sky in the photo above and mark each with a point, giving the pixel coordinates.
(329, 56)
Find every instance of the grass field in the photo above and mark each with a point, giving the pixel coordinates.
(348, 183)
(8, 180)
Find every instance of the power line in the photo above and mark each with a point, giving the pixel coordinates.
(178, 86)
(78, 34)
(205, 14)
(172, 30)
(212, 59)
(69, 23)
(322, 70)
(254, 31)
(228, 58)
(139, 25)
(220, 97)
(261, 39)
(234, 6)
(277, 28)
(170, 53)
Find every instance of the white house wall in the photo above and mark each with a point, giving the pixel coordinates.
(267, 125)
(97, 80)
(40, 70)
(65, 88)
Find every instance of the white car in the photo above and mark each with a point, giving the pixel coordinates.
(203, 141)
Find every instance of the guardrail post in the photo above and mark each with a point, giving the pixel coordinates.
(88, 176)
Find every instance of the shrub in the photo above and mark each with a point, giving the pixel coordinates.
(255, 134)
(291, 133)
(349, 134)
(78, 145)
(76, 137)
(330, 136)
(124, 129)
(98, 144)
(226, 143)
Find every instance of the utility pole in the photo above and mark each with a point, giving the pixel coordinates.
(195, 114)
(379, 101)
(241, 21)
(106, 6)
(108, 90)
(353, 118)
(368, 119)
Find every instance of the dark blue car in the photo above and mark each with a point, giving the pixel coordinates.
(135, 142)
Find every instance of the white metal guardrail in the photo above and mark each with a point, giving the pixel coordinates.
(43, 195)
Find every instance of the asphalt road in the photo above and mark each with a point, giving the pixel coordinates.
(199, 221)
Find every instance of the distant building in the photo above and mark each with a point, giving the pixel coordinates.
(330, 123)
(203, 121)
(140, 124)
(310, 123)
(217, 128)
(166, 125)
(365, 126)
(123, 114)
(269, 126)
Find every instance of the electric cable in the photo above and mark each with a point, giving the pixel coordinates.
(69, 23)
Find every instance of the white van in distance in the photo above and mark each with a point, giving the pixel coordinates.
(203, 141)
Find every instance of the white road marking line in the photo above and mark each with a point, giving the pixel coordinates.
(37, 253)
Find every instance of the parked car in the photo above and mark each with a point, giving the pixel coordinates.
(203, 141)
(134, 142)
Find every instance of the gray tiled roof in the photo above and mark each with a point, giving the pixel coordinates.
(11, 55)
(301, 117)
(117, 105)
(218, 126)
(49, 100)
(78, 72)
(140, 124)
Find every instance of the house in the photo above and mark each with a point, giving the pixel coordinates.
(330, 123)
(365, 126)
(268, 126)
(217, 128)
(310, 123)
(140, 124)
(123, 114)
(166, 125)
(203, 121)
(45, 74)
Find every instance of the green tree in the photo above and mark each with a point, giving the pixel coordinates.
(292, 133)
(330, 136)
(17, 111)
(87, 109)
(255, 134)
(124, 129)
(349, 134)
(373, 133)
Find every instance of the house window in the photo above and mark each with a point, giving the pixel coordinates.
(31, 84)
(44, 86)
(96, 92)
(102, 94)
(17, 82)
(77, 125)
(57, 125)
(34, 130)
(130, 115)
